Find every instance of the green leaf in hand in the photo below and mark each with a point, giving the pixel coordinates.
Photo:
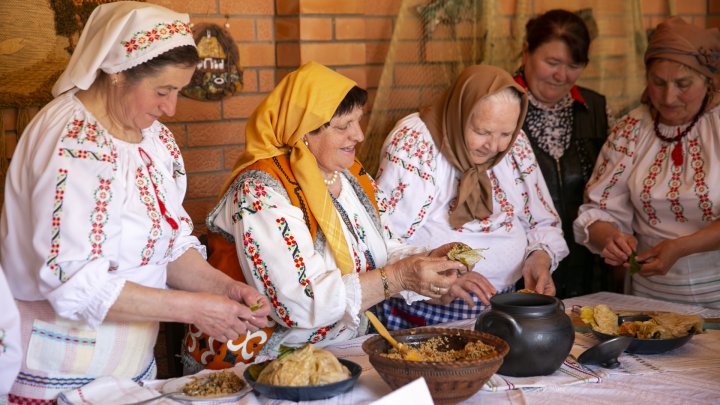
(256, 306)
(465, 254)
(635, 264)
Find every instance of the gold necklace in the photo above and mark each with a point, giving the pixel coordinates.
(332, 180)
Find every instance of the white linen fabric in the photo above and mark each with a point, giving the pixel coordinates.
(10, 351)
(314, 301)
(119, 36)
(637, 187)
(83, 214)
(421, 186)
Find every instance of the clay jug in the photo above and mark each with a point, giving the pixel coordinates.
(535, 326)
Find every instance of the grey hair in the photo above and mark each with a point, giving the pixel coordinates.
(506, 95)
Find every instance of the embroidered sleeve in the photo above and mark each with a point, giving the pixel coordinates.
(607, 195)
(278, 256)
(406, 176)
(176, 166)
(539, 217)
(76, 222)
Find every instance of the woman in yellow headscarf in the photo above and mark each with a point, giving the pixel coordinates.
(299, 218)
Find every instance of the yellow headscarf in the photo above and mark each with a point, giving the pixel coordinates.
(302, 102)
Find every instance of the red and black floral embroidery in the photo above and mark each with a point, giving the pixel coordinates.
(142, 183)
(142, 40)
(294, 249)
(260, 272)
(60, 184)
(99, 218)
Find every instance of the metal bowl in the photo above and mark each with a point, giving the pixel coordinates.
(646, 346)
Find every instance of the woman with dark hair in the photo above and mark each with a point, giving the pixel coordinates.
(654, 197)
(93, 230)
(567, 125)
(299, 218)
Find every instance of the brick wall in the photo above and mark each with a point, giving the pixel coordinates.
(352, 36)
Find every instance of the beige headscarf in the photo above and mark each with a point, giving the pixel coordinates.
(302, 102)
(119, 36)
(446, 119)
(682, 42)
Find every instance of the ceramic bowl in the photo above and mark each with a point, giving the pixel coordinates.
(606, 353)
(450, 381)
(305, 393)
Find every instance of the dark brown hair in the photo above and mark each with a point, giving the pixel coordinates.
(563, 25)
(356, 97)
(185, 56)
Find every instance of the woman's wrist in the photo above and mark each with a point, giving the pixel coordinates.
(394, 278)
(385, 283)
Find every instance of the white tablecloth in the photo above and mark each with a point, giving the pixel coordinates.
(688, 375)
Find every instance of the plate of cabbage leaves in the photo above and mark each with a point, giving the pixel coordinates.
(652, 333)
(305, 374)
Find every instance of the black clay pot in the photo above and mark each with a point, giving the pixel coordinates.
(535, 326)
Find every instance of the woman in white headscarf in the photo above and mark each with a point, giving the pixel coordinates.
(93, 230)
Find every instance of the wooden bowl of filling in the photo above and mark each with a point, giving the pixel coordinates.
(456, 362)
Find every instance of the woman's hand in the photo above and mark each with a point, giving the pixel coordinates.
(470, 282)
(658, 260)
(536, 273)
(429, 276)
(614, 245)
(219, 317)
(253, 299)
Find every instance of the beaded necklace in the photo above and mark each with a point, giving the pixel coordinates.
(332, 180)
(676, 154)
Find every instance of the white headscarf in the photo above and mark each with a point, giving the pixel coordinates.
(119, 36)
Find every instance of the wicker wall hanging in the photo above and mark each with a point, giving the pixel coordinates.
(36, 41)
(218, 74)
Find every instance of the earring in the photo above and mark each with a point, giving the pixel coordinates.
(114, 81)
(306, 142)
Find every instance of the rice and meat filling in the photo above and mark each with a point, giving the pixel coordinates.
(434, 349)
(225, 382)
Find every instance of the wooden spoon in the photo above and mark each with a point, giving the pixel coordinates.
(407, 352)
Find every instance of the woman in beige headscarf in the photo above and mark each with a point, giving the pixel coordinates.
(654, 193)
(462, 169)
(93, 229)
(299, 218)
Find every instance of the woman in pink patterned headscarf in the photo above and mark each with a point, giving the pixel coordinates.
(654, 198)
(93, 229)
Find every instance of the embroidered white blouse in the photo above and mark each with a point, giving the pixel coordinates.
(84, 211)
(10, 347)
(421, 186)
(637, 187)
(312, 301)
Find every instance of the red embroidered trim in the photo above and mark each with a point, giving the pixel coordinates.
(163, 210)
